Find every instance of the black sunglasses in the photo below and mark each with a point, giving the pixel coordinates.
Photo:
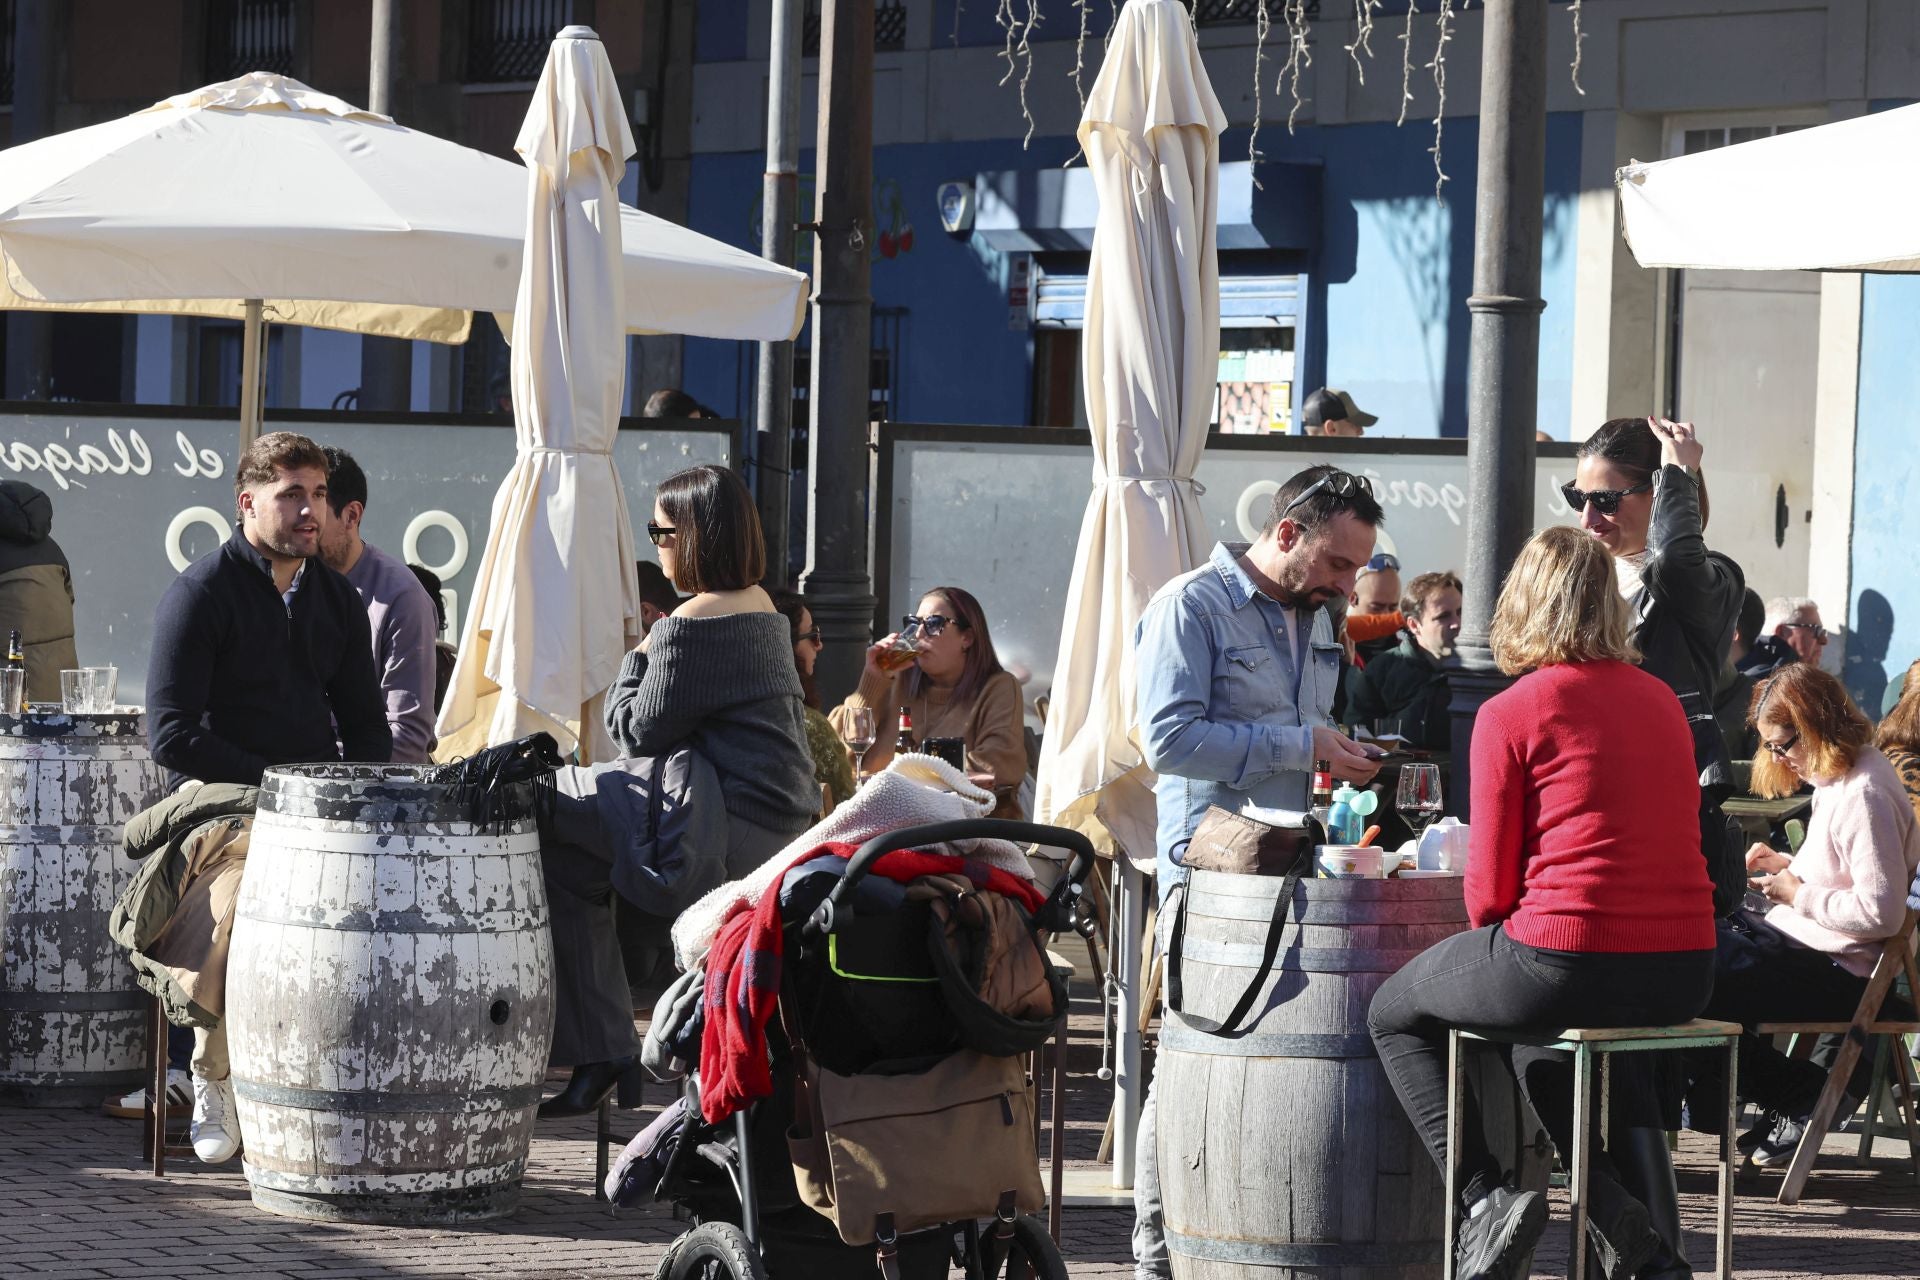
(1605, 501)
(813, 635)
(1343, 484)
(658, 534)
(931, 625)
(1820, 633)
(1779, 749)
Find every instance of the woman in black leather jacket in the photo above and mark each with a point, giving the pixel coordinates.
(1638, 490)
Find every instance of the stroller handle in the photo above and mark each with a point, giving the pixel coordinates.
(873, 850)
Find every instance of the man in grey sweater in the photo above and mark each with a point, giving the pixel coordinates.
(399, 611)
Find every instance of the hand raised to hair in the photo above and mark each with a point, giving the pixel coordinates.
(1679, 446)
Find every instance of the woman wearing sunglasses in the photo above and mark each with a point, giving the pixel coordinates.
(1639, 493)
(1833, 903)
(955, 688)
(831, 768)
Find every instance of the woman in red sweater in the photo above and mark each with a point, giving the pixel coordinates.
(1589, 900)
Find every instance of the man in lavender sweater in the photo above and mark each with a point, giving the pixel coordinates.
(399, 611)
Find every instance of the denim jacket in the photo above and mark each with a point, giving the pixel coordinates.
(1215, 709)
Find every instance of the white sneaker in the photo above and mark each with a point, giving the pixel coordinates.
(216, 1124)
(134, 1105)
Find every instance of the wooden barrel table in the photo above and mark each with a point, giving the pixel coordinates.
(1284, 1152)
(389, 1004)
(73, 1028)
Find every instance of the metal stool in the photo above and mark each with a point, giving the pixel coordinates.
(1585, 1043)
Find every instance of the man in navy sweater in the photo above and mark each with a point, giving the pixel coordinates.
(259, 652)
(259, 649)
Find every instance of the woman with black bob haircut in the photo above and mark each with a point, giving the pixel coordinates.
(717, 675)
(1639, 492)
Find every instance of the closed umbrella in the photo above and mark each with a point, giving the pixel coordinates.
(263, 199)
(1150, 352)
(1836, 197)
(555, 604)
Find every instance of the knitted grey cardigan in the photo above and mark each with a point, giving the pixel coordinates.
(727, 687)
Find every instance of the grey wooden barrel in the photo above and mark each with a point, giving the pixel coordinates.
(389, 1003)
(1284, 1152)
(72, 1022)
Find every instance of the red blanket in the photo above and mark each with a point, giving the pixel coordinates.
(743, 972)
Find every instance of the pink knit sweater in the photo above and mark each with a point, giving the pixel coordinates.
(1862, 846)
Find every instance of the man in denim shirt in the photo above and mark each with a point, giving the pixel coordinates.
(1237, 666)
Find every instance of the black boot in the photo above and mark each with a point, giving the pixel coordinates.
(1619, 1230)
(1645, 1166)
(591, 1083)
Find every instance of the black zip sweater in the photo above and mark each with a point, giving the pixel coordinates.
(238, 682)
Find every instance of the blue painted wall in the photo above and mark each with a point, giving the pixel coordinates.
(1885, 613)
(1387, 316)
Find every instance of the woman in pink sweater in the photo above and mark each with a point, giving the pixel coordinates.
(1590, 902)
(1834, 903)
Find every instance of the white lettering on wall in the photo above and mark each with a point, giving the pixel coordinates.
(130, 457)
(199, 462)
(186, 520)
(410, 552)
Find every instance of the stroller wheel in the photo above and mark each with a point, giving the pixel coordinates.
(714, 1251)
(1029, 1255)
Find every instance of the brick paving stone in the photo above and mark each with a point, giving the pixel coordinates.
(76, 1202)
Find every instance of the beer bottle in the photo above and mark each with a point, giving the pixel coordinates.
(16, 656)
(1322, 791)
(904, 744)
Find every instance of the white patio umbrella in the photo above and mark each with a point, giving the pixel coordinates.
(1836, 197)
(555, 604)
(260, 198)
(1151, 133)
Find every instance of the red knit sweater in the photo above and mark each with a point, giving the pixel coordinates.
(1586, 831)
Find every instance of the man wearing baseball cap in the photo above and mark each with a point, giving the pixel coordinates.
(1332, 412)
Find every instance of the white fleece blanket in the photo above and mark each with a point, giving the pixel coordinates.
(914, 790)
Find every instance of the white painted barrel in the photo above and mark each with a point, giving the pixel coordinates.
(72, 1023)
(389, 1005)
(1283, 1152)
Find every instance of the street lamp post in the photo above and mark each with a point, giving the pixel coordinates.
(1503, 372)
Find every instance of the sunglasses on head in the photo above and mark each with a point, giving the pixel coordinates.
(1381, 564)
(1779, 749)
(931, 625)
(658, 534)
(1819, 632)
(1605, 501)
(1342, 484)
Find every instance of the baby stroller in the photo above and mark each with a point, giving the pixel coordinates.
(878, 1099)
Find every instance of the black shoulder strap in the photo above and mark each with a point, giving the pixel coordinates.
(1276, 928)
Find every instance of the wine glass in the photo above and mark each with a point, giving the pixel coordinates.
(1417, 796)
(858, 734)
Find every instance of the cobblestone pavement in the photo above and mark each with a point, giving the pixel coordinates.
(75, 1201)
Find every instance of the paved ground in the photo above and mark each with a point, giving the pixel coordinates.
(75, 1202)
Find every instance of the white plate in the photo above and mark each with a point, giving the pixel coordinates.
(1414, 873)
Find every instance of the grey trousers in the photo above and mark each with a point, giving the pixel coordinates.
(592, 1006)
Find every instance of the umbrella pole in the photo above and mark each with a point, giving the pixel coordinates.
(253, 374)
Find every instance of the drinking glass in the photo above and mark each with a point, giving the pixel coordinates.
(13, 691)
(859, 733)
(1418, 796)
(102, 684)
(75, 692)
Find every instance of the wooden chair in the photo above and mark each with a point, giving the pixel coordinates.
(1585, 1044)
(154, 1145)
(1896, 960)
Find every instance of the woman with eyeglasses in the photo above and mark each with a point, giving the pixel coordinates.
(831, 768)
(955, 688)
(1835, 902)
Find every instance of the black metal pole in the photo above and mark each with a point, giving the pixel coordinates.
(29, 371)
(386, 364)
(1503, 373)
(838, 587)
(779, 202)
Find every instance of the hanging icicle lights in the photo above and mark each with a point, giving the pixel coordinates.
(1018, 20)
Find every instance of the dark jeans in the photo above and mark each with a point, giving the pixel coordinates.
(1762, 975)
(1485, 979)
